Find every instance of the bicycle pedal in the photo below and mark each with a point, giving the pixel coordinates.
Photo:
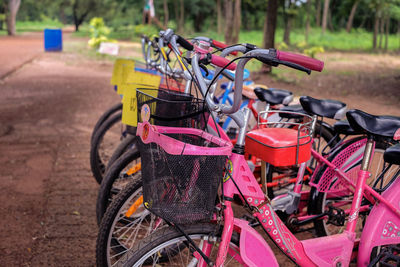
(336, 216)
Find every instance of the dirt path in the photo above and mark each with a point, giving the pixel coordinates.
(47, 111)
(19, 50)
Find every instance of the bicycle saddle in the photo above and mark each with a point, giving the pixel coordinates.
(343, 127)
(386, 126)
(392, 154)
(274, 96)
(332, 109)
(292, 108)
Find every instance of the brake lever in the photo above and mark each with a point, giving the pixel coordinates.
(295, 66)
(272, 61)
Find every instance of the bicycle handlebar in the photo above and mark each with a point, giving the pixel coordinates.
(221, 45)
(222, 62)
(307, 62)
(184, 43)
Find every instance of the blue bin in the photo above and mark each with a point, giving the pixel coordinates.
(52, 40)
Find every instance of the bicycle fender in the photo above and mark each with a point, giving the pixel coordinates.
(382, 226)
(254, 251)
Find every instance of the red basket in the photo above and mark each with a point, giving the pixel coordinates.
(282, 143)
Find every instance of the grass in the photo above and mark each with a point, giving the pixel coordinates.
(81, 48)
(357, 40)
(34, 26)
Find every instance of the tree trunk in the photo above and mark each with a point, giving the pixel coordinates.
(219, 17)
(78, 20)
(325, 16)
(269, 28)
(286, 35)
(318, 15)
(308, 10)
(376, 30)
(330, 24)
(351, 17)
(229, 25)
(237, 19)
(166, 14)
(13, 6)
(387, 23)
(286, 20)
(63, 18)
(181, 23)
(381, 30)
(398, 31)
(176, 10)
(270, 24)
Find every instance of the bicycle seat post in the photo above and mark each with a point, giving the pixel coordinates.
(367, 153)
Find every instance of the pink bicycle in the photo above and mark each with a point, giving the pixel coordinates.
(183, 191)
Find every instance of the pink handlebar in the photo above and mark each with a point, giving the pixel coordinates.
(307, 62)
(222, 45)
(222, 62)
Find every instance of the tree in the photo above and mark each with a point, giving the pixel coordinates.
(219, 17)
(318, 15)
(81, 10)
(289, 12)
(308, 10)
(181, 19)
(269, 28)
(351, 17)
(166, 14)
(325, 16)
(11, 15)
(232, 21)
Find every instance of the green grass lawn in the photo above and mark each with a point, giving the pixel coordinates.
(357, 40)
(34, 26)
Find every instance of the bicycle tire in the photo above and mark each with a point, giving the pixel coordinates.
(318, 201)
(170, 237)
(326, 135)
(96, 162)
(125, 144)
(104, 117)
(111, 178)
(112, 241)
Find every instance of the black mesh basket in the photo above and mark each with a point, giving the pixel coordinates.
(181, 188)
(173, 108)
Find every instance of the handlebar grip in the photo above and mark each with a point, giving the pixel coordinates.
(184, 43)
(222, 45)
(307, 62)
(222, 62)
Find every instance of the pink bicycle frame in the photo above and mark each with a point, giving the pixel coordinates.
(323, 251)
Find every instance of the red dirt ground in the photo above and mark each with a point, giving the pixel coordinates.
(47, 111)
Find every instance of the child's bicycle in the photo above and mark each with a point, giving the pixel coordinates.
(135, 197)
(181, 203)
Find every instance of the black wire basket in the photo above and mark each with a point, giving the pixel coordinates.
(173, 108)
(181, 172)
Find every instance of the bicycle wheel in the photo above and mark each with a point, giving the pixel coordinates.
(168, 247)
(282, 176)
(125, 223)
(103, 144)
(341, 201)
(120, 173)
(125, 144)
(104, 117)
